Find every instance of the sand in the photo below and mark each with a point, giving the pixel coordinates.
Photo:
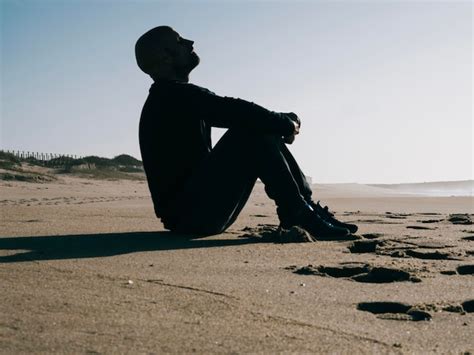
(87, 268)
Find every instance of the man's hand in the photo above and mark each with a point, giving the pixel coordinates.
(296, 121)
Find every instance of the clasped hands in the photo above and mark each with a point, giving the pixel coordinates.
(297, 123)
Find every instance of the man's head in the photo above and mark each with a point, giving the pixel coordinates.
(163, 53)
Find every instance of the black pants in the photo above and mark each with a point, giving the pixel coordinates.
(218, 190)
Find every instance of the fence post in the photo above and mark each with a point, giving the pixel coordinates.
(45, 158)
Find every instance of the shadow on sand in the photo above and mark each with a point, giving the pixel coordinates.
(100, 245)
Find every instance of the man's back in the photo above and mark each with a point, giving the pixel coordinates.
(173, 139)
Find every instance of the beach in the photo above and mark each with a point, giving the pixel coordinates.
(86, 267)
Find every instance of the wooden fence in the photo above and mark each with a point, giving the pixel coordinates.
(43, 157)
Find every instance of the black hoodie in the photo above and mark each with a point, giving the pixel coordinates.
(175, 132)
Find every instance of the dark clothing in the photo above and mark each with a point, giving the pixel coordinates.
(219, 188)
(198, 189)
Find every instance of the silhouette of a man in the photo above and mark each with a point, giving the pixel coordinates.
(197, 189)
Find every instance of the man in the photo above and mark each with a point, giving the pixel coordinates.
(200, 190)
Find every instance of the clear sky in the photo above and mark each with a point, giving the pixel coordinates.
(383, 88)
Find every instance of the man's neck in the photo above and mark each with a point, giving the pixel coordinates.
(184, 79)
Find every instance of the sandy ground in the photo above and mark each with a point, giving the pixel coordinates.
(87, 268)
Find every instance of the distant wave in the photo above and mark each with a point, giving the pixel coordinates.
(439, 188)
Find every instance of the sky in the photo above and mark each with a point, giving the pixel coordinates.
(383, 88)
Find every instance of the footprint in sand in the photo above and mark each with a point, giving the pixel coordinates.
(460, 270)
(402, 249)
(431, 255)
(372, 235)
(465, 270)
(465, 307)
(376, 221)
(420, 227)
(430, 220)
(396, 215)
(394, 311)
(468, 306)
(349, 213)
(419, 254)
(365, 246)
(460, 219)
(430, 244)
(359, 273)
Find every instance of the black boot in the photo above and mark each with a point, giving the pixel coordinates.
(309, 220)
(327, 216)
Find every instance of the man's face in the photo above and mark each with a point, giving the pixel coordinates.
(182, 52)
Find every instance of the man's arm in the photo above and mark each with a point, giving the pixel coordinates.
(228, 112)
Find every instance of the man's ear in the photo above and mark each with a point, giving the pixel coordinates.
(165, 56)
(162, 59)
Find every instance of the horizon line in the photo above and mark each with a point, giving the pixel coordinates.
(321, 183)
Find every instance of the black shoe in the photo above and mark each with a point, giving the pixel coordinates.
(327, 216)
(314, 225)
